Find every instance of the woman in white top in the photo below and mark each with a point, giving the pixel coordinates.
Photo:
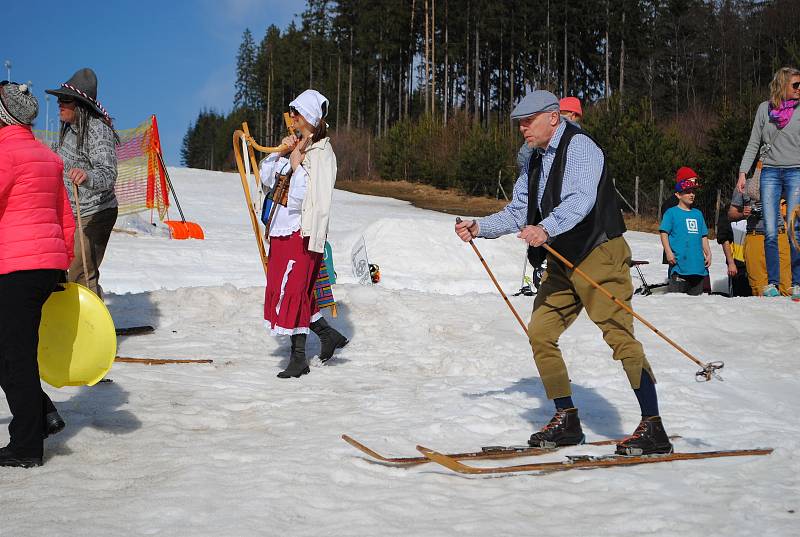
(298, 231)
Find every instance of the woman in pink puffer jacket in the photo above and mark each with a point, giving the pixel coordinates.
(36, 245)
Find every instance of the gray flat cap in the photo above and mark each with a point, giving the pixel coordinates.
(535, 102)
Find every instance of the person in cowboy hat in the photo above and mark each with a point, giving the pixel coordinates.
(36, 234)
(87, 144)
(298, 231)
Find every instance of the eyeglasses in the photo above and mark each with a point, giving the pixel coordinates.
(796, 85)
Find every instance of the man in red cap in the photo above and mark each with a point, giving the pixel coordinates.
(571, 109)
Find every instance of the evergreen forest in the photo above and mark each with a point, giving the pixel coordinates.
(421, 90)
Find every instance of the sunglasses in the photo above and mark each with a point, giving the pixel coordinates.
(65, 100)
(795, 85)
(7, 82)
(686, 186)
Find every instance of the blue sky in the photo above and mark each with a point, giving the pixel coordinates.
(169, 58)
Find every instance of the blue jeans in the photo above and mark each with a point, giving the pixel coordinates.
(777, 183)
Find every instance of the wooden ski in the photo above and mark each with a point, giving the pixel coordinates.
(583, 462)
(485, 453)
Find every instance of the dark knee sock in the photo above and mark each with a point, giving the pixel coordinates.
(563, 402)
(646, 394)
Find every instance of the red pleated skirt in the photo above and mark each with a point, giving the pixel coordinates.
(289, 302)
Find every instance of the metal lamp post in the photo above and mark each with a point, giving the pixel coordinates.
(8, 69)
(47, 117)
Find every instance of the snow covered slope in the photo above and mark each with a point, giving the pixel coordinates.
(435, 358)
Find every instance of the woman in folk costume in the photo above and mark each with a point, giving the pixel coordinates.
(297, 231)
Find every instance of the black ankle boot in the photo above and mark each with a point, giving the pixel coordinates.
(298, 365)
(564, 429)
(9, 458)
(329, 338)
(648, 438)
(53, 423)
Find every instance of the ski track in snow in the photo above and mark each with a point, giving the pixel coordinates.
(436, 359)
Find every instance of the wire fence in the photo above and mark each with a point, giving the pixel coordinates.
(650, 203)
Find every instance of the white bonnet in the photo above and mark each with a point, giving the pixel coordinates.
(312, 105)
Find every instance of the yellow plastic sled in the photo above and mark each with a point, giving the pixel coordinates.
(77, 340)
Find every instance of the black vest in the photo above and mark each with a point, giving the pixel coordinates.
(603, 222)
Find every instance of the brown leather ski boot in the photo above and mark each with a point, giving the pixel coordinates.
(648, 438)
(564, 429)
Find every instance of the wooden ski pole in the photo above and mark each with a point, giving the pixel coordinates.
(494, 280)
(159, 361)
(80, 233)
(709, 369)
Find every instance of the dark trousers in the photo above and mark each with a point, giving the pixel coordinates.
(22, 295)
(691, 285)
(96, 232)
(739, 284)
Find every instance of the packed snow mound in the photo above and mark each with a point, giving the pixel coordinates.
(424, 254)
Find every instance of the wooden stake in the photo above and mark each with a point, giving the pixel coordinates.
(80, 233)
(159, 361)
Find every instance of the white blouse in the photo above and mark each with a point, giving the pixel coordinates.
(286, 220)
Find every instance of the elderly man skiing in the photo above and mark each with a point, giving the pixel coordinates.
(573, 208)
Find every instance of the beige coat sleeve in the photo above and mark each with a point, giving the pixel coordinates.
(320, 164)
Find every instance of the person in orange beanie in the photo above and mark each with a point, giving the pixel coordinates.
(571, 109)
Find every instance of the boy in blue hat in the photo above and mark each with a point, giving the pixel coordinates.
(684, 236)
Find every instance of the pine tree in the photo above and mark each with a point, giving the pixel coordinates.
(684, 67)
(246, 83)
